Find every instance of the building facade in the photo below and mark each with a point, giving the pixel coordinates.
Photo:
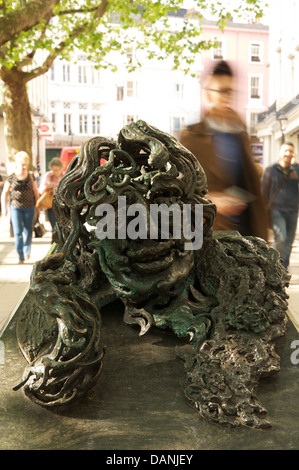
(281, 121)
(86, 102)
(245, 47)
(82, 101)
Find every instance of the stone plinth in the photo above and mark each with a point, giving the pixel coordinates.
(137, 403)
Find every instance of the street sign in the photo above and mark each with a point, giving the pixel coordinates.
(257, 151)
(46, 130)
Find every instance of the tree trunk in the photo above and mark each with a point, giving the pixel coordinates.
(17, 114)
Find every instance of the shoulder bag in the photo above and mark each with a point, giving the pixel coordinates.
(45, 200)
(39, 229)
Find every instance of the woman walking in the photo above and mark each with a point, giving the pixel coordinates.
(49, 183)
(21, 188)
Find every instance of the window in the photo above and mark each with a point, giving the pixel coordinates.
(96, 124)
(66, 73)
(253, 123)
(82, 74)
(52, 72)
(66, 105)
(67, 123)
(129, 53)
(95, 75)
(83, 123)
(83, 105)
(255, 88)
(218, 53)
(130, 118)
(120, 93)
(179, 90)
(256, 52)
(176, 125)
(131, 89)
(53, 119)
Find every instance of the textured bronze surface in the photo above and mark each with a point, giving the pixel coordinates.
(227, 299)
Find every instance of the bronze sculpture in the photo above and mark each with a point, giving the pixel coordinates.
(228, 297)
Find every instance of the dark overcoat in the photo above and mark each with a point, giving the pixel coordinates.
(197, 139)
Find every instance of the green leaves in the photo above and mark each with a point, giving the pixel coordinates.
(99, 27)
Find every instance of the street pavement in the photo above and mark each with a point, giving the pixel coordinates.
(14, 278)
(293, 289)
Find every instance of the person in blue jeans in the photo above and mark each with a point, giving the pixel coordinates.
(280, 192)
(21, 188)
(49, 183)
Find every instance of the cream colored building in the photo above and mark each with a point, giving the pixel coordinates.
(85, 102)
(281, 120)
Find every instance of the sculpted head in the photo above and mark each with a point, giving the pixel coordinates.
(141, 200)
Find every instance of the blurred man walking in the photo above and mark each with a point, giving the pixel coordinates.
(280, 192)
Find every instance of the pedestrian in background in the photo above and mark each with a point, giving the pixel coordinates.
(49, 182)
(280, 192)
(221, 144)
(3, 176)
(22, 190)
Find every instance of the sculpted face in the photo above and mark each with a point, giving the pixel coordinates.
(146, 168)
(145, 174)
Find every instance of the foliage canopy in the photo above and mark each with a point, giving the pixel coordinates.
(57, 27)
(33, 33)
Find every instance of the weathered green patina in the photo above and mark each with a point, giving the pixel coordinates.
(227, 298)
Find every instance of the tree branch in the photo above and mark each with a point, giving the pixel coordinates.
(24, 18)
(99, 10)
(74, 11)
(3, 6)
(40, 70)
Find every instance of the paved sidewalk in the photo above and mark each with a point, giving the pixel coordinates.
(14, 278)
(293, 289)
